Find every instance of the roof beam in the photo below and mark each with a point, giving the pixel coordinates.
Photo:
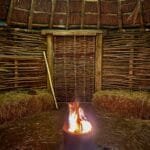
(10, 11)
(82, 13)
(31, 14)
(98, 17)
(141, 13)
(134, 15)
(119, 15)
(67, 17)
(53, 4)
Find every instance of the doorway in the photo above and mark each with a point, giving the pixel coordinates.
(75, 61)
(74, 67)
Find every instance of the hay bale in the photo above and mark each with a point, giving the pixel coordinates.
(130, 104)
(16, 104)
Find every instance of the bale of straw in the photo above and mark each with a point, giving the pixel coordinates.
(16, 104)
(130, 104)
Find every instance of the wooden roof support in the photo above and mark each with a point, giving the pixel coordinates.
(98, 11)
(67, 16)
(134, 15)
(141, 13)
(82, 14)
(119, 15)
(52, 13)
(10, 11)
(31, 14)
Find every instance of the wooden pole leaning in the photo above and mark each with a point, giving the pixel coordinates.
(50, 79)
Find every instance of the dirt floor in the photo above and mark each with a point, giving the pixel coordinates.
(44, 131)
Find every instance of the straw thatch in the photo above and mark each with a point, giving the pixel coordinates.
(76, 13)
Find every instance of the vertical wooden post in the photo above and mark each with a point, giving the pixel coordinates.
(100, 12)
(52, 13)
(98, 62)
(50, 55)
(131, 68)
(82, 13)
(10, 11)
(31, 14)
(67, 16)
(141, 13)
(98, 17)
(119, 15)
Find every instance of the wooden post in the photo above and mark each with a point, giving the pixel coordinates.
(141, 13)
(10, 11)
(100, 12)
(31, 14)
(98, 62)
(50, 54)
(98, 17)
(82, 14)
(67, 16)
(52, 13)
(119, 15)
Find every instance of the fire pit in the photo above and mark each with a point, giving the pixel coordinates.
(78, 132)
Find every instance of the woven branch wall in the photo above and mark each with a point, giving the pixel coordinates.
(126, 63)
(126, 60)
(74, 67)
(21, 60)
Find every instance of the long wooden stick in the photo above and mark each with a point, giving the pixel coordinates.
(50, 79)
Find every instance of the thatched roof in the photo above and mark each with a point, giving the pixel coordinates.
(69, 14)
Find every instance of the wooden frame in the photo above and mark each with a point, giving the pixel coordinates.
(98, 62)
(30, 19)
(10, 11)
(71, 32)
(98, 51)
(120, 23)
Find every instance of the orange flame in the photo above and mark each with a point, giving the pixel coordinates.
(78, 122)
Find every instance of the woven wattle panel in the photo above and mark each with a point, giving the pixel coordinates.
(126, 60)
(22, 64)
(74, 67)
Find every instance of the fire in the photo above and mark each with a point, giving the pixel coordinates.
(78, 122)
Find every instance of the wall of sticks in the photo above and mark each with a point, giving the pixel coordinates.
(126, 62)
(21, 59)
(125, 59)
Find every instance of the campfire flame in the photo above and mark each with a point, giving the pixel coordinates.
(78, 122)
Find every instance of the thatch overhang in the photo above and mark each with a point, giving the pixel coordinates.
(72, 14)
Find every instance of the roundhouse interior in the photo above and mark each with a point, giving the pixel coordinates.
(57, 52)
